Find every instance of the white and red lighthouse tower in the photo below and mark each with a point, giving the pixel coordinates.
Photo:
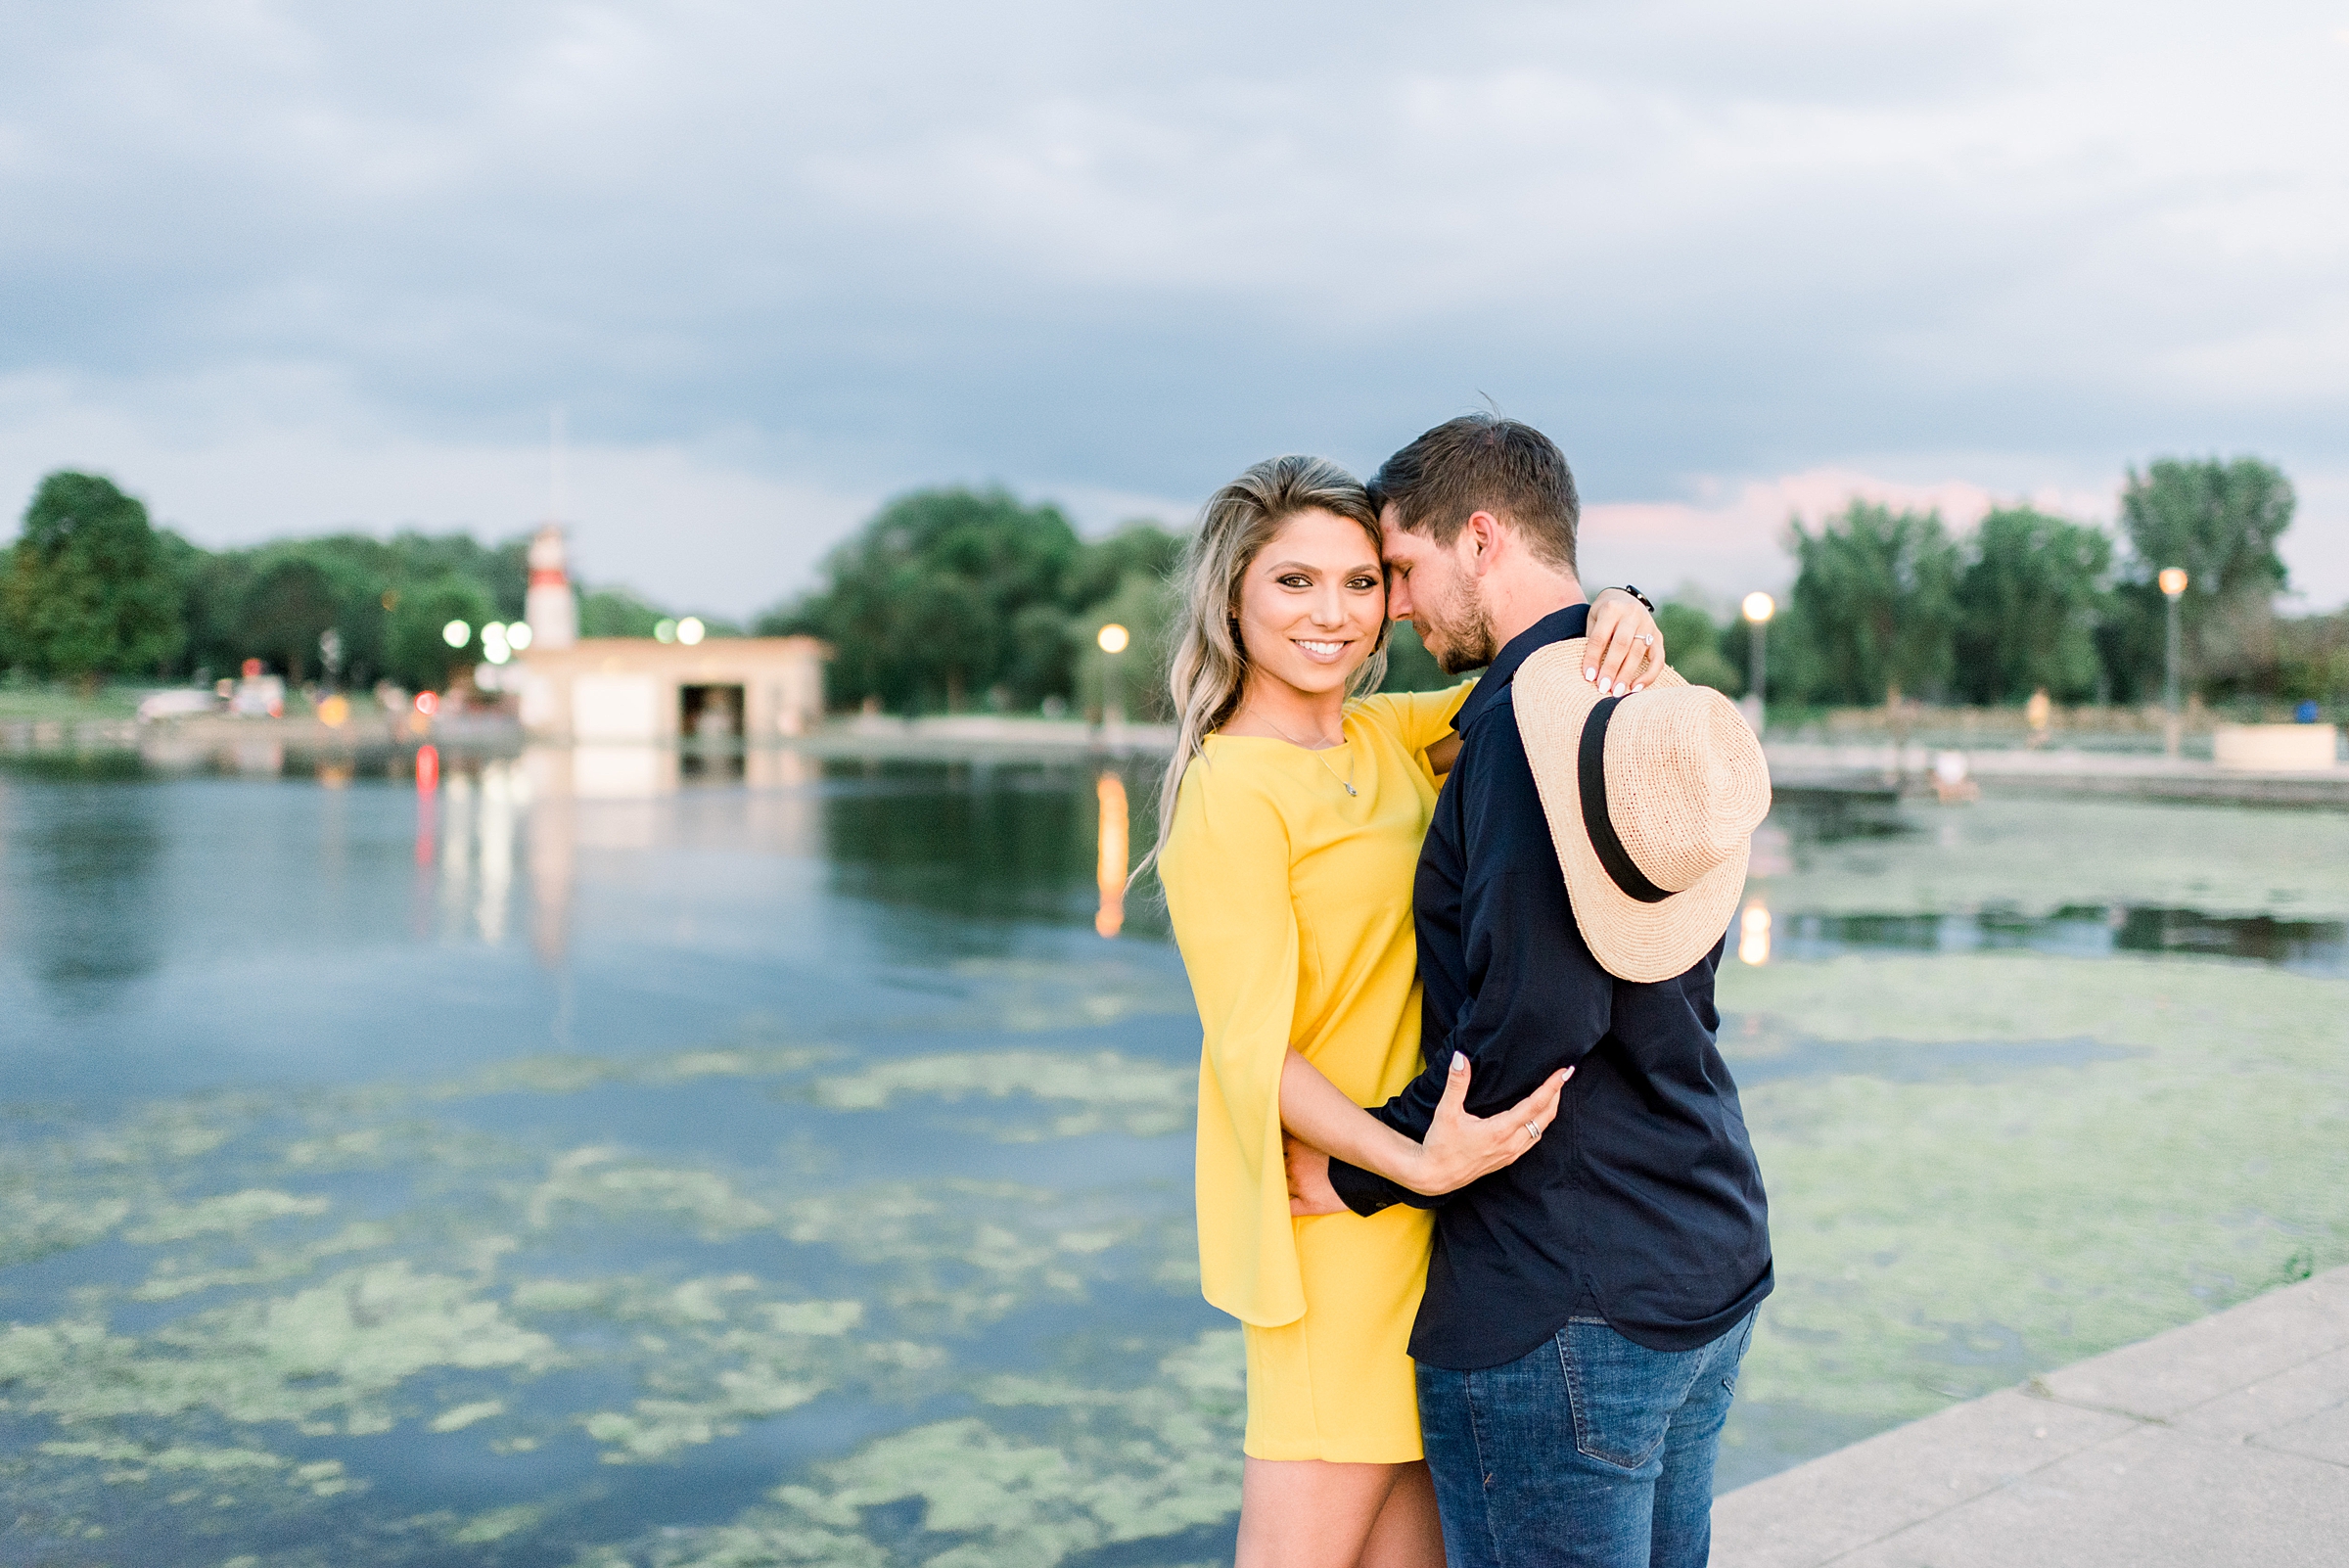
(548, 606)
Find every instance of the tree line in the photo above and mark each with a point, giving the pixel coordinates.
(967, 600)
(1889, 604)
(970, 600)
(956, 599)
(92, 591)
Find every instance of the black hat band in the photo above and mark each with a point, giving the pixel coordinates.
(1626, 874)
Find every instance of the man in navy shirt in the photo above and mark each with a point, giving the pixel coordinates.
(1588, 1307)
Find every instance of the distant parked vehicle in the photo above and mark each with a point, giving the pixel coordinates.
(259, 697)
(178, 704)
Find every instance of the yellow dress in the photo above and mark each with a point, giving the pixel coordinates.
(1292, 904)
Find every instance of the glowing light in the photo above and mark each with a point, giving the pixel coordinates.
(690, 630)
(428, 769)
(427, 704)
(518, 636)
(253, 670)
(456, 634)
(1112, 916)
(1753, 934)
(2173, 580)
(334, 712)
(1760, 607)
(1114, 639)
(664, 630)
(493, 644)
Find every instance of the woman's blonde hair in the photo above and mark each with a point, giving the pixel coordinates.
(1209, 669)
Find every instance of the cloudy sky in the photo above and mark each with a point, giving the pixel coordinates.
(285, 268)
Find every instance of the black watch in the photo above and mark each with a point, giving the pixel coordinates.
(1641, 597)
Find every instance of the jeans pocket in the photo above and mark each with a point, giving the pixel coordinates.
(1622, 1395)
(1745, 1338)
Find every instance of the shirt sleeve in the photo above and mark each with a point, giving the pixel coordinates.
(1536, 999)
(1226, 871)
(1420, 718)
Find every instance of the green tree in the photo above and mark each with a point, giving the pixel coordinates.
(89, 590)
(617, 613)
(2029, 604)
(420, 654)
(2314, 658)
(291, 604)
(2221, 521)
(1875, 604)
(1693, 644)
(936, 602)
(1410, 665)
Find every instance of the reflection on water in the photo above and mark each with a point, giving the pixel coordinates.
(91, 875)
(1753, 932)
(1111, 792)
(2092, 931)
(813, 1183)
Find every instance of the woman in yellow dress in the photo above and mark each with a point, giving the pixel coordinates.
(1290, 820)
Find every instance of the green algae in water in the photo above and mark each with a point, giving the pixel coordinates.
(940, 1305)
(1940, 1237)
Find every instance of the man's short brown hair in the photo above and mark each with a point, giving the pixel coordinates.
(1484, 463)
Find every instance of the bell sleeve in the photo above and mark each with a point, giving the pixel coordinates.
(1226, 871)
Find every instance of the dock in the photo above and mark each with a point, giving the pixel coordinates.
(1822, 768)
(2221, 1442)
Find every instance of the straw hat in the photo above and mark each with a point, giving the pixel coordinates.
(1652, 800)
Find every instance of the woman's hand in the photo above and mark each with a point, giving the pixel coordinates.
(1624, 650)
(1459, 1147)
(1309, 1191)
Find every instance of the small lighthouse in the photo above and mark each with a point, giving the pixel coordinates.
(553, 613)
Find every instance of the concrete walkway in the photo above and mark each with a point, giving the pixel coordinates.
(2140, 775)
(2222, 1441)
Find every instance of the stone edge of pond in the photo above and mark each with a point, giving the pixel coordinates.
(2226, 1440)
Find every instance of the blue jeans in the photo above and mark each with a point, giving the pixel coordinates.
(1590, 1452)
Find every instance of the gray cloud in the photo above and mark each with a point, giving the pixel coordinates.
(839, 250)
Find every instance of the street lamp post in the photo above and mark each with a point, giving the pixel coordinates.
(1111, 640)
(1759, 608)
(2173, 588)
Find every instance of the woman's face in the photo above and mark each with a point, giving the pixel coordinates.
(1313, 603)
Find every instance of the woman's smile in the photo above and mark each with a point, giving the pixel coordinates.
(1320, 650)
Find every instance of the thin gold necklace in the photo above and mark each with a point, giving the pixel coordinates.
(1347, 783)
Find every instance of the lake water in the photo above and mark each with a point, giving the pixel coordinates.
(787, 1168)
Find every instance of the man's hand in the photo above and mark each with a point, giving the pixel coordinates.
(1309, 1191)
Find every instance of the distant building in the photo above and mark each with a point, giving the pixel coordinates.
(638, 691)
(635, 690)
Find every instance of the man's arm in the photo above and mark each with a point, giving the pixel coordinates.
(1536, 999)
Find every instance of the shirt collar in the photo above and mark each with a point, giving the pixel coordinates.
(1559, 626)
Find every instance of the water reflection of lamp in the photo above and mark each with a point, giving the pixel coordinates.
(1752, 932)
(428, 784)
(2173, 588)
(1112, 790)
(1759, 608)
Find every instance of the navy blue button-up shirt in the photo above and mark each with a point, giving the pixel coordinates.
(1642, 1203)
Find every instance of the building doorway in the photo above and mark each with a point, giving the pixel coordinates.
(710, 725)
(710, 713)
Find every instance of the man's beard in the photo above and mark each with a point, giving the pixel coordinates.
(1459, 633)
